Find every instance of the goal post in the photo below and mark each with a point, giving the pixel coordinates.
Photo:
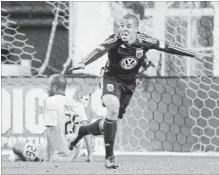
(216, 39)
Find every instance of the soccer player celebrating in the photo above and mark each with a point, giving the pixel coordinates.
(62, 116)
(126, 52)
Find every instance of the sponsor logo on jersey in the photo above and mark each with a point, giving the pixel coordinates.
(128, 63)
(110, 87)
(123, 46)
(139, 53)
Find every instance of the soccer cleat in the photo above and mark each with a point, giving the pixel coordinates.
(110, 163)
(74, 144)
(71, 145)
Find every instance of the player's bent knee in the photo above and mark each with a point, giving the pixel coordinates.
(113, 112)
(109, 99)
(112, 117)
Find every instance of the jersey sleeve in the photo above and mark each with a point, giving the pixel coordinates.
(152, 43)
(101, 49)
(50, 115)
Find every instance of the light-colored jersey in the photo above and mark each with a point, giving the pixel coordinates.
(33, 152)
(65, 114)
(28, 151)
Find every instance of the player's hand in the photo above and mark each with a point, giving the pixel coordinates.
(77, 66)
(200, 56)
(146, 66)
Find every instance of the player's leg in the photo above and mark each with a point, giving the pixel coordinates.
(111, 100)
(93, 129)
(77, 150)
(124, 101)
(110, 128)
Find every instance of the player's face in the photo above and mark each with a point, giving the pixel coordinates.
(51, 89)
(128, 29)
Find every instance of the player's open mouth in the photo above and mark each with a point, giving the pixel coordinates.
(124, 34)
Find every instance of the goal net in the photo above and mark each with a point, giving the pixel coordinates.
(175, 106)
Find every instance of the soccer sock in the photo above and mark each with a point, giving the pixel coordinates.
(92, 128)
(110, 128)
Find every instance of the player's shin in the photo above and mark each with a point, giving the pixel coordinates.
(93, 128)
(110, 128)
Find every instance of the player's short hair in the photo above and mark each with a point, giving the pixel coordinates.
(137, 7)
(59, 80)
(133, 17)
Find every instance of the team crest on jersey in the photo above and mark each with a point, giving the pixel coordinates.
(139, 53)
(110, 87)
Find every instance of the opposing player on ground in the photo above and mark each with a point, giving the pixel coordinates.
(27, 151)
(126, 52)
(62, 116)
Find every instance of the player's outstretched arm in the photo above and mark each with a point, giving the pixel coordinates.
(91, 57)
(48, 145)
(80, 111)
(153, 43)
(50, 120)
(51, 135)
(172, 49)
(97, 52)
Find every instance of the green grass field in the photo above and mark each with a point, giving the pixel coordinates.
(127, 165)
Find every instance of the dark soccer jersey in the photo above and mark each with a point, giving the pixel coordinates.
(125, 60)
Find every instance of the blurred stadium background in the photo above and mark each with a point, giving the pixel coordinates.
(175, 107)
